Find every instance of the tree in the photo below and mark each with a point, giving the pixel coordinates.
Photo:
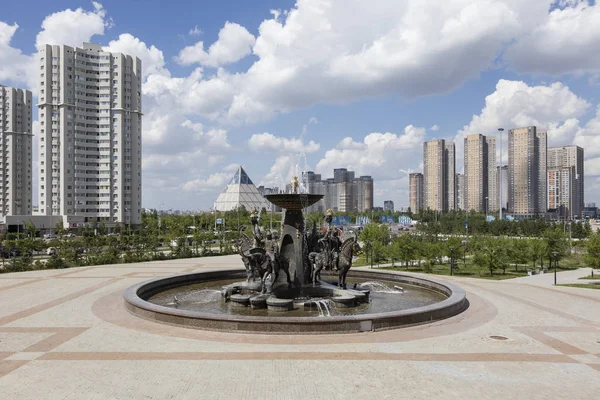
(490, 253)
(519, 252)
(592, 254)
(452, 248)
(537, 249)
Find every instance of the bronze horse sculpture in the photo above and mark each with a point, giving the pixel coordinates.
(349, 248)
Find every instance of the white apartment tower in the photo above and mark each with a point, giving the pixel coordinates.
(90, 114)
(15, 153)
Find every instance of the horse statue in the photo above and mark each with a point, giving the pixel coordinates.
(242, 246)
(348, 249)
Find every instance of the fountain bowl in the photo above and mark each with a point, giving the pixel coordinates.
(137, 302)
(294, 201)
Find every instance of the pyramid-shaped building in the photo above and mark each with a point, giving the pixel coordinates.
(240, 191)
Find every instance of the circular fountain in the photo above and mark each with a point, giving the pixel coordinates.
(282, 290)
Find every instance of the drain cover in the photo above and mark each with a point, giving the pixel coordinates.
(496, 337)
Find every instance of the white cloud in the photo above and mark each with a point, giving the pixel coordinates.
(434, 128)
(515, 104)
(153, 61)
(268, 142)
(195, 31)
(341, 51)
(73, 27)
(566, 41)
(281, 172)
(234, 43)
(213, 181)
(382, 155)
(15, 66)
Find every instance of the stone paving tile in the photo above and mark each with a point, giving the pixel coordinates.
(70, 334)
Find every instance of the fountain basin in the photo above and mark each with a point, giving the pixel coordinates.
(294, 201)
(453, 301)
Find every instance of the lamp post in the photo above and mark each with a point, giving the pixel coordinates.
(451, 248)
(486, 207)
(501, 204)
(555, 255)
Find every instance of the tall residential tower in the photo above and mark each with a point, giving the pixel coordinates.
(15, 152)
(415, 184)
(439, 166)
(480, 174)
(569, 157)
(90, 113)
(527, 179)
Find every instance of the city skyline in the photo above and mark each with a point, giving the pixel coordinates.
(207, 109)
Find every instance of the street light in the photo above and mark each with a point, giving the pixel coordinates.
(451, 248)
(487, 203)
(501, 203)
(555, 255)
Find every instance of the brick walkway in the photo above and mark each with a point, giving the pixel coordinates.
(64, 334)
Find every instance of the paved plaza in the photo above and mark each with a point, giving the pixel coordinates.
(65, 334)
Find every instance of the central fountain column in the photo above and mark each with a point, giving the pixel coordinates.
(292, 247)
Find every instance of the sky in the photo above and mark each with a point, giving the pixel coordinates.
(280, 87)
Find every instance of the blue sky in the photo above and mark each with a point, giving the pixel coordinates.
(324, 83)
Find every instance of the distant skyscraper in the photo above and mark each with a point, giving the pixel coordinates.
(15, 164)
(527, 177)
(388, 205)
(439, 166)
(450, 183)
(460, 191)
(90, 113)
(343, 192)
(480, 173)
(415, 192)
(570, 156)
(561, 190)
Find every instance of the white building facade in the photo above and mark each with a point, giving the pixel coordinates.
(15, 152)
(90, 115)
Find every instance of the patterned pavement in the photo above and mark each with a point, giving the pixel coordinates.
(64, 334)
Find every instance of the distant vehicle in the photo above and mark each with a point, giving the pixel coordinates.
(70, 235)
(49, 236)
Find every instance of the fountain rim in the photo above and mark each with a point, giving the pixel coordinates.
(293, 201)
(454, 304)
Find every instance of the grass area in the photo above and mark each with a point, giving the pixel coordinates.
(568, 263)
(469, 270)
(594, 277)
(581, 285)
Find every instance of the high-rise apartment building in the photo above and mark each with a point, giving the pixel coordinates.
(561, 191)
(439, 166)
(450, 183)
(527, 177)
(344, 192)
(15, 153)
(564, 157)
(90, 113)
(415, 188)
(388, 205)
(480, 173)
(460, 191)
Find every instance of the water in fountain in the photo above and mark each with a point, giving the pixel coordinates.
(323, 307)
(197, 297)
(380, 287)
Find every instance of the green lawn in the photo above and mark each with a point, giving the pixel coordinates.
(582, 285)
(471, 270)
(591, 277)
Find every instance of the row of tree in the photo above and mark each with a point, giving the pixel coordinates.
(486, 252)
